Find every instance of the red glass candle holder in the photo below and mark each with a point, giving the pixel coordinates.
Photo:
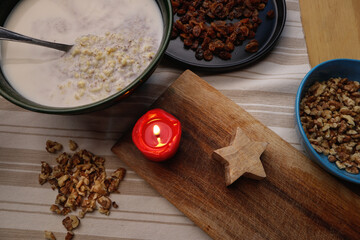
(157, 135)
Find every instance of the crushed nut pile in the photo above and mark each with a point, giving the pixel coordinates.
(330, 116)
(81, 181)
(205, 27)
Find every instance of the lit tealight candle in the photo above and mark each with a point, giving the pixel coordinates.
(157, 135)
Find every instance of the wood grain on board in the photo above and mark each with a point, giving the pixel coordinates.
(296, 200)
(331, 28)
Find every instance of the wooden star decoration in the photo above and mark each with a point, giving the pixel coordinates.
(241, 157)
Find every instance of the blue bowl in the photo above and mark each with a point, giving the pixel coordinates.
(348, 68)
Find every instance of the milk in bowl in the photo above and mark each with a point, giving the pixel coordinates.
(114, 41)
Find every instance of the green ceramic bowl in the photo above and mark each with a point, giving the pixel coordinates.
(13, 96)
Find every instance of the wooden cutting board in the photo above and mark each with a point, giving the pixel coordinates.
(297, 199)
(331, 28)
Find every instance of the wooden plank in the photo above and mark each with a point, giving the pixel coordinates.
(297, 199)
(331, 28)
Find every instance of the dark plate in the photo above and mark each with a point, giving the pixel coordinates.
(267, 35)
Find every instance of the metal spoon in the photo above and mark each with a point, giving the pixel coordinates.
(6, 34)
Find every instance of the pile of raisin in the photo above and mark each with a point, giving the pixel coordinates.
(207, 26)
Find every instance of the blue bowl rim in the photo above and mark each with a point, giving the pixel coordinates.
(316, 155)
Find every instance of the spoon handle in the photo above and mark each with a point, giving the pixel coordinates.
(6, 34)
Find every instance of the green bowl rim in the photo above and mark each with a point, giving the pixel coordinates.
(111, 99)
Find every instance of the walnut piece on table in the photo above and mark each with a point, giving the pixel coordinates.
(114, 205)
(69, 236)
(330, 116)
(72, 145)
(105, 204)
(49, 235)
(53, 147)
(46, 170)
(81, 181)
(71, 222)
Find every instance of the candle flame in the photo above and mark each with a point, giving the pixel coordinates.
(156, 130)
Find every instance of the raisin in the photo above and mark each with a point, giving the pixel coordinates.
(244, 31)
(188, 42)
(181, 12)
(251, 34)
(270, 14)
(174, 33)
(195, 45)
(196, 31)
(208, 56)
(229, 46)
(224, 55)
(261, 6)
(212, 46)
(204, 26)
(252, 46)
(199, 54)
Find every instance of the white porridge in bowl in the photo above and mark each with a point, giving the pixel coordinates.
(114, 41)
